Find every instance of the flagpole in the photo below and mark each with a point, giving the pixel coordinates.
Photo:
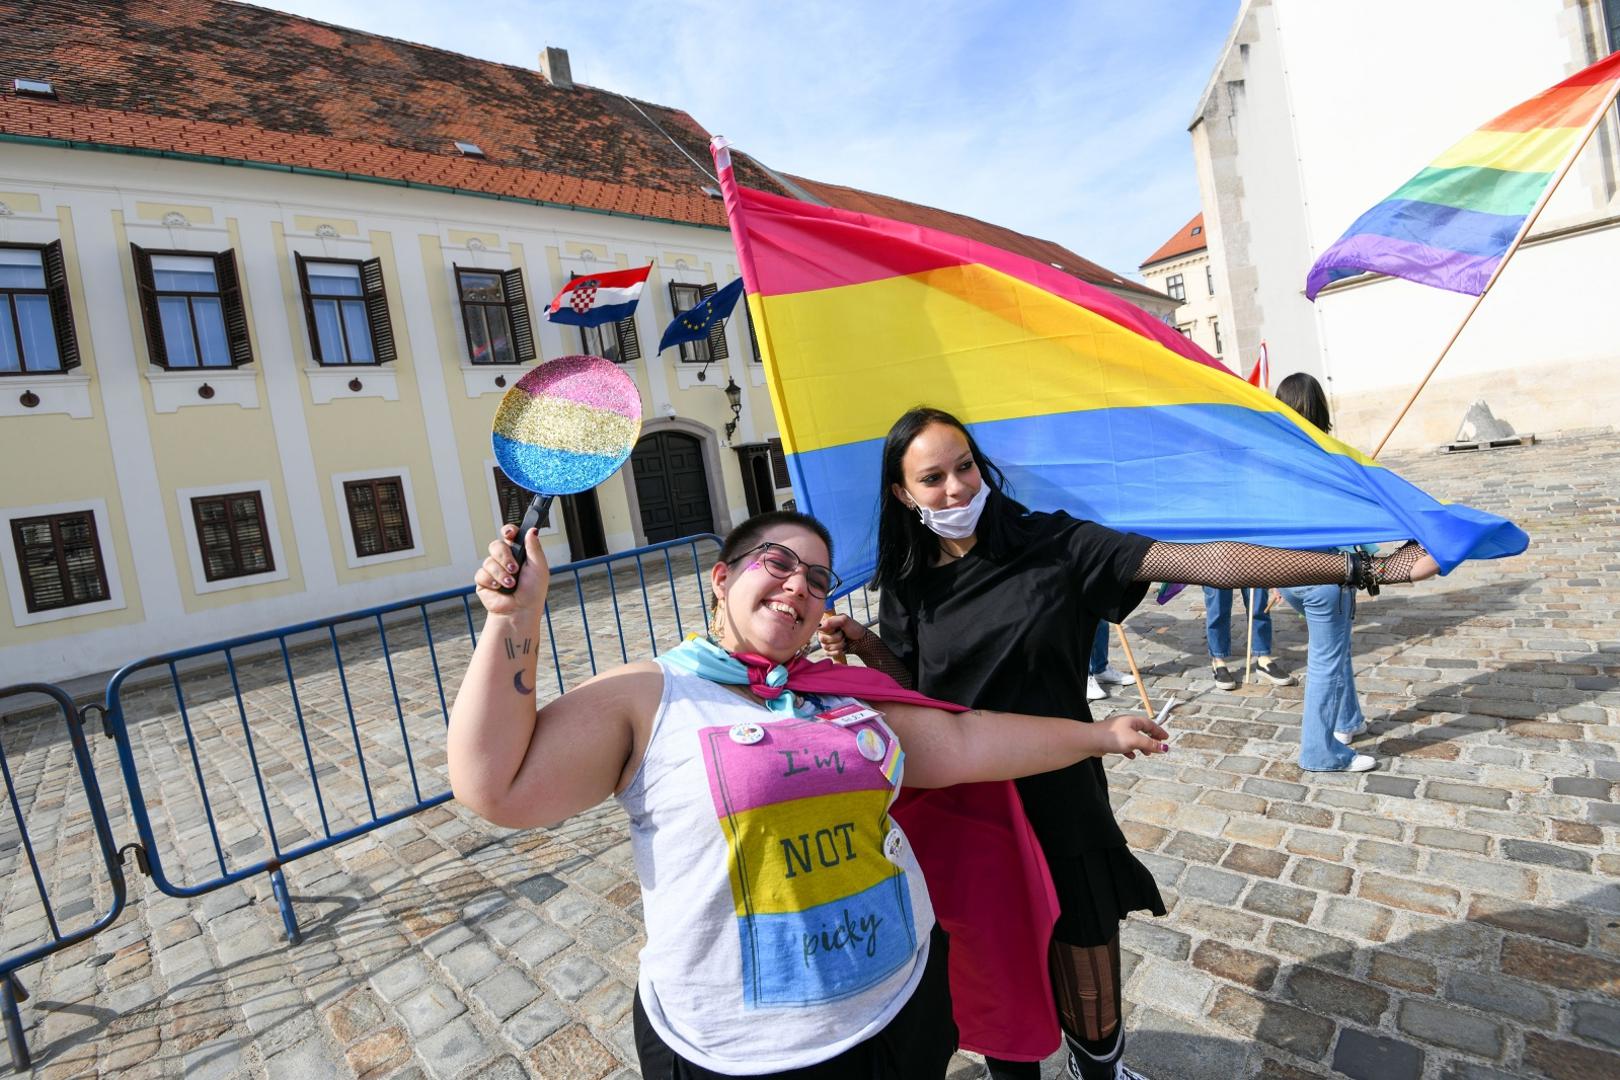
(1524, 231)
(1130, 659)
(1248, 635)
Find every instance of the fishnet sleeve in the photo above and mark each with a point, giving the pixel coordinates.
(1229, 565)
(876, 655)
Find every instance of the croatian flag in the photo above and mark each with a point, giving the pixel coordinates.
(594, 299)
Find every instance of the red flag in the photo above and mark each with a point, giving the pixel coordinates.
(1260, 374)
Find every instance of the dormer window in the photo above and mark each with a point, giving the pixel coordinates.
(1197, 229)
(469, 149)
(41, 88)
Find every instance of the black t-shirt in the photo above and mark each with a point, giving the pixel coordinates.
(1013, 632)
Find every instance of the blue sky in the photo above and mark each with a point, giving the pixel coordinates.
(1064, 120)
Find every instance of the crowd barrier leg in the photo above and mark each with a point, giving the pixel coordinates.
(278, 887)
(11, 992)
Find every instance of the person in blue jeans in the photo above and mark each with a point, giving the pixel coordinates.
(1102, 674)
(1332, 716)
(1218, 630)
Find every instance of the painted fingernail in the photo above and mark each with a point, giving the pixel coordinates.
(511, 568)
(509, 582)
(1163, 747)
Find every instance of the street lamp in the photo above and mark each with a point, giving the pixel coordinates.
(734, 397)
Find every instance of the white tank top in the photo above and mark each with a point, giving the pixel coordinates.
(787, 919)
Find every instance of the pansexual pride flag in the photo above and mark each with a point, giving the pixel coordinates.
(1452, 224)
(1089, 404)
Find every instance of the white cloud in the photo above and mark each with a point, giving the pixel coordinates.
(1063, 120)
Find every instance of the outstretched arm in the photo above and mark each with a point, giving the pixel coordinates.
(945, 748)
(517, 767)
(1230, 565)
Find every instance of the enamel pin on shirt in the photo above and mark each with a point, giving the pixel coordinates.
(747, 734)
(870, 744)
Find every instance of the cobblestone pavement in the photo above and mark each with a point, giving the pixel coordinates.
(1454, 915)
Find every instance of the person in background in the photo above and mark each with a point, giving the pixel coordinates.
(1104, 674)
(1332, 714)
(1218, 631)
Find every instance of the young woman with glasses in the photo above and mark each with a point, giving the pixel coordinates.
(990, 605)
(789, 929)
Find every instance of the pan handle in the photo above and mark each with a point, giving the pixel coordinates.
(532, 517)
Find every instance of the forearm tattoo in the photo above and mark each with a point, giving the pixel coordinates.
(876, 655)
(1226, 564)
(513, 651)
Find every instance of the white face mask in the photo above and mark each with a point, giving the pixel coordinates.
(956, 522)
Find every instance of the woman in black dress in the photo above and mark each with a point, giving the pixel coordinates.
(990, 605)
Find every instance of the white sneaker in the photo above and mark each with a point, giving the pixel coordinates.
(1362, 763)
(1094, 690)
(1345, 736)
(1114, 677)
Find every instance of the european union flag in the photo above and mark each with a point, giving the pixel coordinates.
(694, 323)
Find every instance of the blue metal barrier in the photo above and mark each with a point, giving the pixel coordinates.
(11, 989)
(283, 704)
(300, 712)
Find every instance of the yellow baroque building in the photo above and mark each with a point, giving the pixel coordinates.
(254, 327)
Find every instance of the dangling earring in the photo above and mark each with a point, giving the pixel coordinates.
(717, 624)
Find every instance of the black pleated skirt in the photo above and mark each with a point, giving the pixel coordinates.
(1096, 889)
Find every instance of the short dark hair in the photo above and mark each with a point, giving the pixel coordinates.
(749, 534)
(1303, 394)
(905, 546)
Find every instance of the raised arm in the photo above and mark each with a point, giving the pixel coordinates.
(945, 748)
(514, 766)
(1229, 565)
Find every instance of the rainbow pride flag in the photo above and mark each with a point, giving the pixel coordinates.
(1452, 224)
(1089, 404)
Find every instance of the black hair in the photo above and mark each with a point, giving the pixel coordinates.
(747, 536)
(1303, 394)
(905, 546)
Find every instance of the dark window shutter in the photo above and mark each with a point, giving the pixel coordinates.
(674, 298)
(230, 299)
(717, 332)
(155, 350)
(779, 469)
(748, 321)
(67, 342)
(517, 310)
(382, 331)
(514, 501)
(629, 343)
(309, 307)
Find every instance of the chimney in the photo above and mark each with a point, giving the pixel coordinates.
(554, 66)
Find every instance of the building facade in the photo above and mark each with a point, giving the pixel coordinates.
(1181, 269)
(265, 281)
(1314, 113)
(248, 370)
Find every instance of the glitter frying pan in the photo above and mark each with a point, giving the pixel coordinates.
(563, 428)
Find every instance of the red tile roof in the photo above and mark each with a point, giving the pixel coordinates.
(227, 80)
(865, 202)
(1188, 239)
